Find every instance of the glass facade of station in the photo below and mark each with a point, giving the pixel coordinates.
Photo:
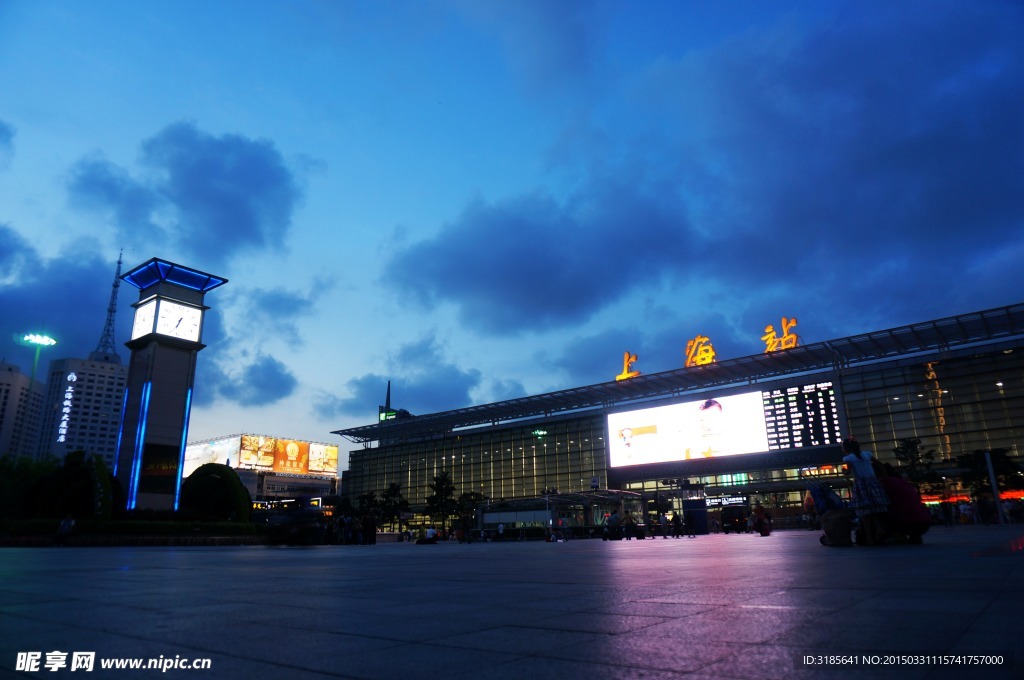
(501, 463)
(955, 400)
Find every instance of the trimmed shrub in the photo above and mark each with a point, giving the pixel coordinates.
(215, 492)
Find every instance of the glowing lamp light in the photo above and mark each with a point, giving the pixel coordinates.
(39, 341)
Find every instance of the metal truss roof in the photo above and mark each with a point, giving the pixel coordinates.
(978, 328)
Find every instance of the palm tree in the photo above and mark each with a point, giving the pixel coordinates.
(393, 504)
(441, 505)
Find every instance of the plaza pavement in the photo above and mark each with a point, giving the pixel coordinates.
(718, 606)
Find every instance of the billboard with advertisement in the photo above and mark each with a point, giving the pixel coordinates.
(736, 424)
(323, 459)
(223, 451)
(291, 456)
(263, 453)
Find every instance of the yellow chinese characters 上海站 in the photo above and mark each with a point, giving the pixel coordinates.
(699, 352)
(627, 362)
(774, 342)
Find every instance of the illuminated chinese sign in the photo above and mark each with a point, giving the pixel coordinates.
(773, 342)
(699, 352)
(726, 500)
(627, 362)
(65, 409)
(935, 401)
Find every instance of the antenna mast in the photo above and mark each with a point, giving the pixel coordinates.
(105, 350)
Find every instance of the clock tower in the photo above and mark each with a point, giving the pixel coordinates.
(166, 337)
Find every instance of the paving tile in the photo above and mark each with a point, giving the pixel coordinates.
(714, 607)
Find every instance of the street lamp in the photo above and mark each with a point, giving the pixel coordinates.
(39, 341)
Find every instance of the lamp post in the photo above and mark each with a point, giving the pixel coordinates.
(39, 341)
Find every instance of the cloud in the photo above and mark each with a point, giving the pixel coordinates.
(280, 309)
(874, 150)
(18, 259)
(214, 198)
(810, 169)
(423, 380)
(501, 390)
(549, 46)
(6, 144)
(263, 381)
(98, 184)
(533, 263)
(65, 297)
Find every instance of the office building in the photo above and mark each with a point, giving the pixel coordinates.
(20, 406)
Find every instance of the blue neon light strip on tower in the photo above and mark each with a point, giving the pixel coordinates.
(120, 431)
(140, 439)
(181, 452)
(157, 270)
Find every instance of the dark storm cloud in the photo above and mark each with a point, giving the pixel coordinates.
(423, 380)
(65, 297)
(212, 197)
(534, 263)
(263, 381)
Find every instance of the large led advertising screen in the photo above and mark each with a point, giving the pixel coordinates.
(290, 456)
(223, 451)
(258, 452)
(736, 424)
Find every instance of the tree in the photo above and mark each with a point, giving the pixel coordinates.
(19, 478)
(367, 502)
(468, 503)
(81, 487)
(393, 504)
(916, 464)
(441, 505)
(342, 505)
(974, 472)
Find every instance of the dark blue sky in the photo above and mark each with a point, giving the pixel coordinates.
(480, 201)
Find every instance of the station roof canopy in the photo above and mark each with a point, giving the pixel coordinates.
(977, 328)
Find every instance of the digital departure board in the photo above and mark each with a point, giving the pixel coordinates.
(806, 415)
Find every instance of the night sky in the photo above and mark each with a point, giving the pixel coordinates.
(481, 201)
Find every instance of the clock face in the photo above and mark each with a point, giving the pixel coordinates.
(144, 315)
(178, 321)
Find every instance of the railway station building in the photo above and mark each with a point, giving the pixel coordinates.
(733, 431)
